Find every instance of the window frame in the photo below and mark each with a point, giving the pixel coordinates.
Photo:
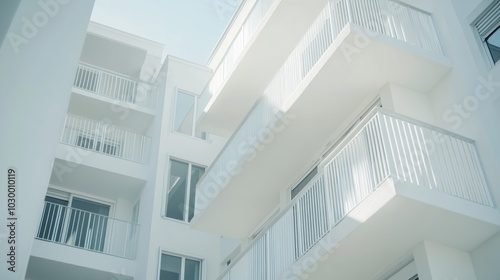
(407, 272)
(488, 49)
(166, 185)
(195, 109)
(303, 182)
(62, 194)
(183, 263)
(482, 38)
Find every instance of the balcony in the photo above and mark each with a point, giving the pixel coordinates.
(88, 231)
(327, 77)
(246, 77)
(390, 184)
(111, 95)
(243, 38)
(103, 138)
(115, 86)
(239, 58)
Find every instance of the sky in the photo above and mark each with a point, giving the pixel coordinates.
(189, 29)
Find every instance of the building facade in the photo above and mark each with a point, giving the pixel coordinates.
(325, 139)
(362, 140)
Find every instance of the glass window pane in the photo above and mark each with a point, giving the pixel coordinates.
(192, 270)
(86, 229)
(53, 216)
(493, 42)
(176, 197)
(184, 113)
(196, 173)
(170, 268)
(304, 182)
(90, 206)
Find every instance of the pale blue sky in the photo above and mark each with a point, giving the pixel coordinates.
(189, 29)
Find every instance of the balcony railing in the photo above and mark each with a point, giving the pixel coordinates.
(105, 139)
(115, 86)
(244, 36)
(383, 16)
(86, 230)
(384, 145)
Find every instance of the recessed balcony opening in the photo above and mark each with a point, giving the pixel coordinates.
(107, 139)
(86, 224)
(115, 86)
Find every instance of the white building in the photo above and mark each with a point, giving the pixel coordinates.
(325, 139)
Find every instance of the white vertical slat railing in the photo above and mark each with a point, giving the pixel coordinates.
(387, 17)
(115, 86)
(382, 16)
(90, 231)
(241, 40)
(384, 145)
(105, 139)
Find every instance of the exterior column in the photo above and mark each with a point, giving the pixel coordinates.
(39, 53)
(438, 262)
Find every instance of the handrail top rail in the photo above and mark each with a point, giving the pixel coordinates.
(92, 213)
(339, 145)
(424, 124)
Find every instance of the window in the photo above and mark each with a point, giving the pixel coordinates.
(493, 43)
(87, 225)
(181, 189)
(74, 221)
(409, 272)
(179, 268)
(488, 27)
(92, 143)
(300, 186)
(53, 217)
(185, 115)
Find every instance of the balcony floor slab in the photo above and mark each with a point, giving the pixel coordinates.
(55, 261)
(122, 114)
(97, 174)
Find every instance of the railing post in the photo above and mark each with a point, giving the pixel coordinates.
(386, 144)
(67, 218)
(327, 185)
(485, 187)
(349, 11)
(98, 81)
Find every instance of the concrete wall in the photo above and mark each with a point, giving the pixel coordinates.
(485, 259)
(7, 12)
(39, 57)
(164, 234)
